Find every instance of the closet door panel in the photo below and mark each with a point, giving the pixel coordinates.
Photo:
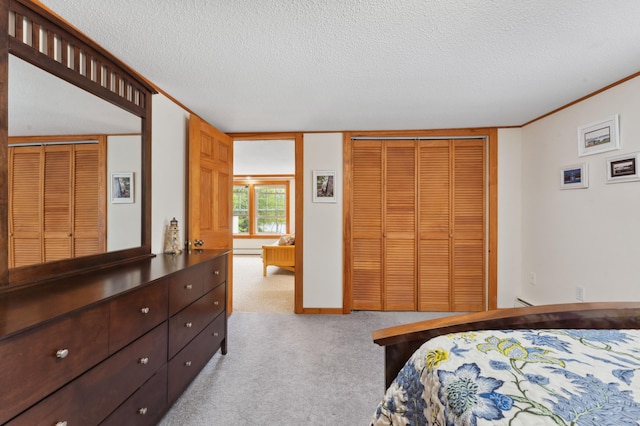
(25, 215)
(400, 266)
(434, 267)
(469, 185)
(434, 198)
(58, 231)
(367, 225)
(468, 280)
(367, 274)
(400, 226)
(468, 226)
(88, 235)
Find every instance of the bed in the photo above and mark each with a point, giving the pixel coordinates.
(569, 364)
(282, 254)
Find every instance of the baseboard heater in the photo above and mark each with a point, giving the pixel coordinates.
(521, 303)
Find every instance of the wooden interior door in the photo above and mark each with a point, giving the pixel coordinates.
(210, 189)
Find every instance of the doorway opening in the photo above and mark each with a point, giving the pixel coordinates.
(265, 212)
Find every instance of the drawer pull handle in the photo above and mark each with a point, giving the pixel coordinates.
(62, 353)
(189, 325)
(144, 360)
(64, 423)
(216, 303)
(142, 411)
(188, 287)
(188, 363)
(144, 310)
(216, 272)
(215, 334)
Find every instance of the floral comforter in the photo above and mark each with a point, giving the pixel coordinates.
(525, 377)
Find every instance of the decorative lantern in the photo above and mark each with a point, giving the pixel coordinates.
(172, 238)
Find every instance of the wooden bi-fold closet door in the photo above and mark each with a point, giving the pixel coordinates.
(56, 202)
(383, 232)
(418, 226)
(451, 223)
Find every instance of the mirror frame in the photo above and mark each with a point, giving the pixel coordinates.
(45, 40)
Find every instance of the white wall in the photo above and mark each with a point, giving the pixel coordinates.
(322, 225)
(124, 154)
(170, 129)
(509, 216)
(582, 237)
(573, 237)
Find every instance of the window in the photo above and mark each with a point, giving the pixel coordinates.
(260, 208)
(240, 209)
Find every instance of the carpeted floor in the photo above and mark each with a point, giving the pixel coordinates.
(254, 293)
(287, 369)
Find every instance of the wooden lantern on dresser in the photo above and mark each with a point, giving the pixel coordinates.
(90, 332)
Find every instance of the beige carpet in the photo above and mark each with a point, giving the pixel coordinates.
(254, 293)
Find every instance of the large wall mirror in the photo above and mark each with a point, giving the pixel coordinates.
(68, 152)
(77, 152)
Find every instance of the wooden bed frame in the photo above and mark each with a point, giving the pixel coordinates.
(281, 256)
(400, 342)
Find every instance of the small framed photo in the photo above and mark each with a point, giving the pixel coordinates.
(324, 187)
(574, 176)
(600, 136)
(623, 168)
(122, 188)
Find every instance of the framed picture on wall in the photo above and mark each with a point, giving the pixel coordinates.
(574, 176)
(122, 187)
(600, 136)
(324, 188)
(623, 168)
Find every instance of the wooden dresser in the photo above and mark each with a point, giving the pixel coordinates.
(116, 346)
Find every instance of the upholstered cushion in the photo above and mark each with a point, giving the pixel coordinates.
(287, 240)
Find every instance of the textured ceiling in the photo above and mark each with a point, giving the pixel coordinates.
(317, 65)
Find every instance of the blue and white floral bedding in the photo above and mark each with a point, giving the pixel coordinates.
(524, 377)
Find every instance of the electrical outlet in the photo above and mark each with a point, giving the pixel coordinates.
(580, 293)
(532, 278)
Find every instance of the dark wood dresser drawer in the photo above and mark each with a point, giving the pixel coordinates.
(135, 313)
(189, 322)
(146, 406)
(94, 395)
(216, 272)
(36, 363)
(189, 361)
(185, 287)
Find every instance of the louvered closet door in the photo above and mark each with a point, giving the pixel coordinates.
(399, 227)
(57, 201)
(434, 226)
(451, 225)
(57, 219)
(89, 202)
(468, 286)
(25, 208)
(366, 229)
